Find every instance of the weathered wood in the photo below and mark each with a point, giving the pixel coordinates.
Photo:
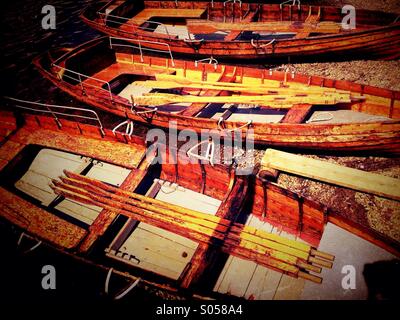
(205, 26)
(376, 35)
(297, 113)
(39, 222)
(195, 108)
(332, 173)
(267, 85)
(205, 257)
(194, 228)
(104, 189)
(148, 14)
(262, 90)
(379, 135)
(272, 101)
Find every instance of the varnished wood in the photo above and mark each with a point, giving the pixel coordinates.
(376, 35)
(379, 135)
(332, 173)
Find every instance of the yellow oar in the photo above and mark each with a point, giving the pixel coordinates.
(245, 89)
(267, 85)
(274, 101)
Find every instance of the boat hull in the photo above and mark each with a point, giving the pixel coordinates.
(378, 136)
(381, 42)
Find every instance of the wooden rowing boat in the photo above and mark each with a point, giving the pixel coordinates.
(237, 30)
(82, 189)
(272, 107)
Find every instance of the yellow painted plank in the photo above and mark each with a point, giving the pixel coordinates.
(149, 13)
(262, 90)
(277, 238)
(271, 26)
(278, 101)
(332, 173)
(274, 245)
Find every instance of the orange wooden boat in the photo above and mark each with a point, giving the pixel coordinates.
(160, 220)
(280, 107)
(237, 30)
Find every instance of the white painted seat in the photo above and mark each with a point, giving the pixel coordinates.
(49, 164)
(161, 251)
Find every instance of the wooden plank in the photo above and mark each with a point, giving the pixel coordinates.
(238, 277)
(250, 17)
(195, 108)
(204, 85)
(205, 26)
(167, 252)
(297, 114)
(332, 173)
(312, 19)
(149, 13)
(206, 256)
(289, 288)
(237, 273)
(264, 281)
(263, 284)
(248, 84)
(273, 101)
(244, 245)
(39, 222)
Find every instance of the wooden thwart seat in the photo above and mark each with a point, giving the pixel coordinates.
(311, 19)
(248, 18)
(148, 14)
(297, 114)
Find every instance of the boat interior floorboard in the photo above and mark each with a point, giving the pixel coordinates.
(244, 278)
(154, 249)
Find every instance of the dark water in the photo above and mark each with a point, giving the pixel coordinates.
(22, 38)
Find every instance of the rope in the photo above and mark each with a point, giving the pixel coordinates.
(209, 156)
(210, 61)
(107, 280)
(129, 127)
(35, 246)
(168, 192)
(125, 292)
(262, 45)
(144, 112)
(293, 3)
(221, 122)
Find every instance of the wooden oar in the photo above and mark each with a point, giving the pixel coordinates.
(272, 101)
(267, 85)
(206, 26)
(96, 186)
(339, 175)
(276, 258)
(243, 89)
(100, 194)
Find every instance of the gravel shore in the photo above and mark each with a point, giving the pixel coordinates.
(376, 212)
